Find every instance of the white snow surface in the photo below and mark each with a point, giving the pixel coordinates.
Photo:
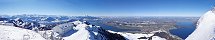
(131, 36)
(81, 34)
(205, 29)
(15, 33)
(157, 38)
(84, 32)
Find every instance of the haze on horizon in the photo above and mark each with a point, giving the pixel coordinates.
(107, 7)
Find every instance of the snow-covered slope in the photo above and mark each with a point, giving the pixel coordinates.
(15, 33)
(205, 29)
(81, 34)
(79, 30)
(139, 36)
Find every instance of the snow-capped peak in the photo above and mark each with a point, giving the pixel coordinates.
(17, 19)
(205, 28)
(81, 26)
(79, 30)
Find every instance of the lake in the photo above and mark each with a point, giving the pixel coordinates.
(186, 28)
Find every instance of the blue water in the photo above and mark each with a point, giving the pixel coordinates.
(186, 28)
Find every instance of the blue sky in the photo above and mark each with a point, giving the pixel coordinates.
(107, 7)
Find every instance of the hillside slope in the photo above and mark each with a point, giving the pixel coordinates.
(205, 29)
